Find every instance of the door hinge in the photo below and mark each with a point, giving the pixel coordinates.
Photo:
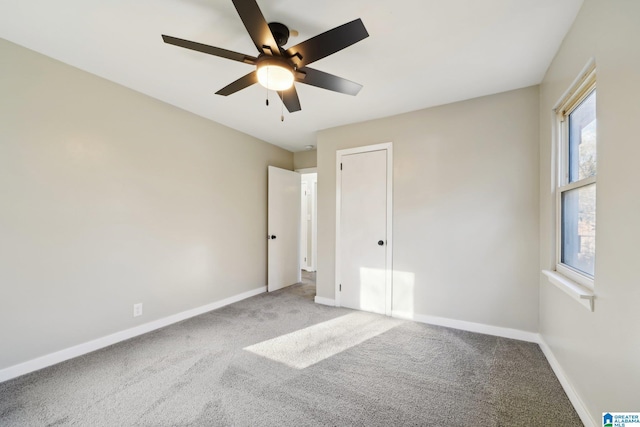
(340, 166)
(340, 287)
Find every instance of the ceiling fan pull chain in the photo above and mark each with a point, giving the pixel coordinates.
(282, 106)
(267, 88)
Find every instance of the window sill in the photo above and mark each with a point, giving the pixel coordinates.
(578, 292)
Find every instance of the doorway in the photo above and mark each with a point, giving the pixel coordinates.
(308, 221)
(308, 229)
(364, 228)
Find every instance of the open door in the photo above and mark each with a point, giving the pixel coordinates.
(283, 228)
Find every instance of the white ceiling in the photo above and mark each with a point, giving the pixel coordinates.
(420, 53)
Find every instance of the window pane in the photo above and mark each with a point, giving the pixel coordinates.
(582, 139)
(579, 228)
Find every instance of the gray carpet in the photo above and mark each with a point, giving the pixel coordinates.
(271, 361)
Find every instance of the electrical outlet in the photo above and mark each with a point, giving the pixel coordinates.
(137, 309)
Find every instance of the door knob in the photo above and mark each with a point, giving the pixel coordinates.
(273, 236)
(380, 242)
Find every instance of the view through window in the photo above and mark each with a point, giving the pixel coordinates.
(577, 186)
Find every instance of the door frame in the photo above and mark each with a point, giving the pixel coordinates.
(388, 146)
(304, 225)
(314, 217)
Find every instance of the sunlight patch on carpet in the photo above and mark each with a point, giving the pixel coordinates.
(308, 346)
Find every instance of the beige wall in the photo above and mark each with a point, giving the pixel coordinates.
(600, 351)
(110, 198)
(465, 208)
(305, 159)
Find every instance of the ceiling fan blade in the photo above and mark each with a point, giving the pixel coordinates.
(328, 81)
(257, 26)
(290, 99)
(239, 84)
(211, 50)
(327, 43)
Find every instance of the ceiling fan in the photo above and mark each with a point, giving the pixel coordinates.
(277, 68)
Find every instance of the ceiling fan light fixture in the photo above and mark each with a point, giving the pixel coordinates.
(274, 75)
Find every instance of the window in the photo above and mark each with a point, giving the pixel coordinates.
(576, 193)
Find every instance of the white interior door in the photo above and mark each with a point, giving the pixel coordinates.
(363, 232)
(283, 228)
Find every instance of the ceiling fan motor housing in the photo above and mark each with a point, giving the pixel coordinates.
(280, 33)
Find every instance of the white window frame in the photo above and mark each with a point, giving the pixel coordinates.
(578, 92)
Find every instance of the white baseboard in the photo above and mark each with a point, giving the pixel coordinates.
(574, 398)
(325, 301)
(481, 328)
(93, 345)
